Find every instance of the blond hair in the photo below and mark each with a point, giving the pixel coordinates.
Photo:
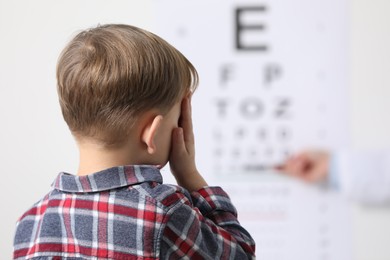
(110, 75)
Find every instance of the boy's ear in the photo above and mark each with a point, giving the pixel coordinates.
(149, 133)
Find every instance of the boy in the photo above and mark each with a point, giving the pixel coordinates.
(125, 95)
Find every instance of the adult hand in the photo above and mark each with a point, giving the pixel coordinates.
(310, 166)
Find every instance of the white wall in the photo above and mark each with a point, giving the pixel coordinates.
(35, 144)
(370, 72)
(370, 103)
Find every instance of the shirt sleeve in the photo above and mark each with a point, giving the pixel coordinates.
(206, 228)
(364, 176)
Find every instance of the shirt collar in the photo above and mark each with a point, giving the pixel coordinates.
(108, 179)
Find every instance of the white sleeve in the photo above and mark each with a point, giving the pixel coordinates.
(364, 176)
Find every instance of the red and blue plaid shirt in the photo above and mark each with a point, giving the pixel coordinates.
(127, 213)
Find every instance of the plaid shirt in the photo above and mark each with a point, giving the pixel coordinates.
(127, 213)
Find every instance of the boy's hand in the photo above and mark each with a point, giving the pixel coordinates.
(311, 166)
(182, 156)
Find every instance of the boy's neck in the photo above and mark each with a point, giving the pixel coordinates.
(94, 158)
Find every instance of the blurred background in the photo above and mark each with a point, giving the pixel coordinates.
(320, 66)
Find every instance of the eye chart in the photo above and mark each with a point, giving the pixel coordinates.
(272, 76)
(272, 82)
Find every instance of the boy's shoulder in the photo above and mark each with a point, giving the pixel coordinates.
(37, 208)
(165, 196)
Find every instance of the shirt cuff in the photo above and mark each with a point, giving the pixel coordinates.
(210, 199)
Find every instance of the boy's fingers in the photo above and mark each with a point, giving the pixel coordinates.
(190, 104)
(178, 145)
(187, 122)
